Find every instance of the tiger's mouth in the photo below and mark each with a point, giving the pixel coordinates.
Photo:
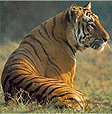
(98, 44)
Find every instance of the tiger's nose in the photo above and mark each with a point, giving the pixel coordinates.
(106, 37)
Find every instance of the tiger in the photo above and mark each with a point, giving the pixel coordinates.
(44, 64)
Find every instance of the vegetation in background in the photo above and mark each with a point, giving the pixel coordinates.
(20, 17)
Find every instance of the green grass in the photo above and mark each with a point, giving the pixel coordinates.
(93, 77)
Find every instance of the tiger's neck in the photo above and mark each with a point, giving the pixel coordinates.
(65, 31)
(56, 37)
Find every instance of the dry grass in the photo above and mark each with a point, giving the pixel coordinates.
(93, 77)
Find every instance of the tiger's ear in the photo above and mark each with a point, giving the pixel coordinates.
(71, 13)
(88, 6)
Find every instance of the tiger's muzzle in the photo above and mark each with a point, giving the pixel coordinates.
(99, 44)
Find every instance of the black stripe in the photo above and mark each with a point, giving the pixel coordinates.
(72, 99)
(9, 75)
(26, 42)
(5, 70)
(21, 64)
(76, 45)
(38, 97)
(93, 26)
(67, 16)
(52, 91)
(73, 51)
(6, 66)
(83, 31)
(85, 34)
(43, 79)
(30, 60)
(87, 13)
(11, 81)
(10, 87)
(53, 27)
(45, 90)
(15, 77)
(78, 27)
(4, 83)
(44, 27)
(32, 79)
(11, 84)
(84, 9)
(83, 28)
(88, 29)
(20, 81)
(44, 98)
(11, 62)
(33, 37)
(90, 20)
(42, 35)
(11, 65)
(28, 86)
(61, 95)
(20, 52)
(82, 42)
(15, 68)
(36, 90)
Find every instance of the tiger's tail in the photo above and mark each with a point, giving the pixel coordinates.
(45, 90)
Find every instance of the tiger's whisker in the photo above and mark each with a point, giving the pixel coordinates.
(109, 47)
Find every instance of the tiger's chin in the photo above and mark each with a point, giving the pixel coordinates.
(99, 47)
(96, 46)
(81, 47)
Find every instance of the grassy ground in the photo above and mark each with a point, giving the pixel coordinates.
(93, 77)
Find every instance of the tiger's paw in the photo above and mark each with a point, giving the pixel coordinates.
(76, 100)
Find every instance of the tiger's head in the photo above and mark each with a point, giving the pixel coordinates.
(87, 30)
